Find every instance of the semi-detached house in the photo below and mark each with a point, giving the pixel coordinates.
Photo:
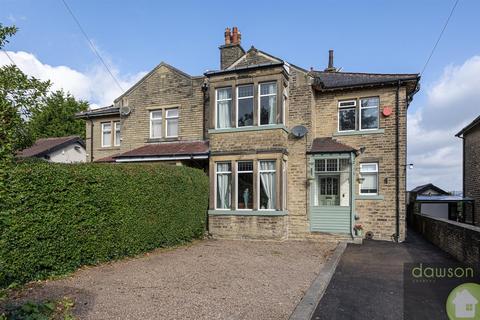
(291, 153)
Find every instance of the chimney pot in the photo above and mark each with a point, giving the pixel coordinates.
(235, 35)
(228, 36)
(330, 67)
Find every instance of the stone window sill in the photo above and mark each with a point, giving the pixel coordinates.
(253, 128)
(263, 213)
(358, 132)
(367, 197)
(156, 140)
(108, 148)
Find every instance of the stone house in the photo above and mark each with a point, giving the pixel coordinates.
(291, 153)
(471, 164)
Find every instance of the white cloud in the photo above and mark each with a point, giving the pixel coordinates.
(94, 85)
(452, 103)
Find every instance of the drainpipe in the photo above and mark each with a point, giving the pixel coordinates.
(205, 108)
(397, 164)
(91, 138)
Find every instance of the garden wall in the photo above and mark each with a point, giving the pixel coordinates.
(458, 239)
(59, 217)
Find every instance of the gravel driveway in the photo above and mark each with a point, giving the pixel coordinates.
(210, 279)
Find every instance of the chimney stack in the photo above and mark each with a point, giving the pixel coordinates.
(231, 51)
(330, 67)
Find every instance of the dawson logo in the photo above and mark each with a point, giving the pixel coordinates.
(463, 302)
(422, 272)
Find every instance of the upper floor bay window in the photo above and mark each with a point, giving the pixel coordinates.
(268, 103)
(223, 184)
(171, 122)
(156, 119)
(369, 178)
(118, 128)
(224, 108)
(267, 174)
(107, 134)
(369, 113)
(245, 105)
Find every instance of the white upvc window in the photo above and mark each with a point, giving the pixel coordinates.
(107, 134)
(347, 115)
(266, 184)
(244, 185)
(223, 185)
(267, 111)
(117, 139)
(156, 118)
(171, 123)
(369, 111)
(369, 178)
(245, 105)
(223, 105)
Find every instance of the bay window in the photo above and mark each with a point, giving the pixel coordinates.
(245, 106)
(267, 185)
(107, 134)
(223, 183)
(224, 106)
(245, 185)
(171, 122)
(156, 124)
(268, 103)
(369, 113)
(369, 178)
(347, 115)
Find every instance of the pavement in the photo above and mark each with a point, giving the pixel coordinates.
(368, 282)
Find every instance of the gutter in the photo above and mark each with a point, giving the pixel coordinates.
(161, 158)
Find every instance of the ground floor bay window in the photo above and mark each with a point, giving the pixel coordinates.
(243, 186)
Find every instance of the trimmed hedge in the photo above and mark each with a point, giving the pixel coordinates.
(60, 217)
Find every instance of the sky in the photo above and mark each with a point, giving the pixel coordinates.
(367, 36)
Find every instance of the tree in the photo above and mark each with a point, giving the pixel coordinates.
(56, 117)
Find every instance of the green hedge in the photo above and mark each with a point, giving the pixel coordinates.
(60, 217)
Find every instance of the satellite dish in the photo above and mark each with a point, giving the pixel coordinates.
(125, 111)
(299, 131)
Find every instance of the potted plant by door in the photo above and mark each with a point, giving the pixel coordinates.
(358, 230)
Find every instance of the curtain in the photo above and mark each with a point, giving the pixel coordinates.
(223, 109)
(268, 182)
(272, 101)
(223, 186)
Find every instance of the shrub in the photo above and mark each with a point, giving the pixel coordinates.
(60, 216)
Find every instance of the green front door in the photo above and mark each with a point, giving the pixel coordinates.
(331, 193)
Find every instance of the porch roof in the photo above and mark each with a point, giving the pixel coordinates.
(329, 145)
(166, 151)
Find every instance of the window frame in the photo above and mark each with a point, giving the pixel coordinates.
(216, 106)
(259, 172)
(237, 171)
(115, 124)
(156, 119)
(360, 108)
(169, 118)
(259, 111)
(368, 172)
(216, 187)
(237, 97)
(347, 107)
(103, 124)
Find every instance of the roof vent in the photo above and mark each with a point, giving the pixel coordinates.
(330, 67)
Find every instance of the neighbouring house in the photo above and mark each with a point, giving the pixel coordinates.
(430, 200)
(69, 149)
(471, 164)
(291, 153)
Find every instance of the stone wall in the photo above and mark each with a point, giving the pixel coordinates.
(99, 152)
(460, 240)
(472, 168)
(248, 227)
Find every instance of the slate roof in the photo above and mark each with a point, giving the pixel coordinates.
(104, 111)
(329, 145)
(470, 126)
(324, 80)
(44, 146)
(427, 186)
(168, 149)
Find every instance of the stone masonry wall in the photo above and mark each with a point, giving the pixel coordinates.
(472, 168)
(98, 151)
(248, 227)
